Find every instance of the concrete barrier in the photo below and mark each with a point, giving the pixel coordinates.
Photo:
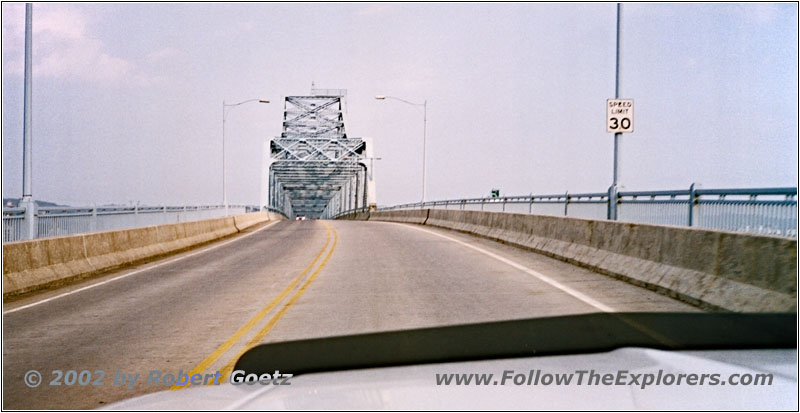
(356, 216)
(715, 270)
(410, 216)
(245, 221)
(41, 263)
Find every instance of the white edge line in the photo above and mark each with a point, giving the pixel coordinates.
(577, 294)
(138, 271)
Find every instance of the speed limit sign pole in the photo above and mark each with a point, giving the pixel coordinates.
(619, 120)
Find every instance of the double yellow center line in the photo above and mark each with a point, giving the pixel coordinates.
(256, 339)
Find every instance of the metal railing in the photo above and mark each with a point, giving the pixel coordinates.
(767, 211)
(13, 224)
(58, 221)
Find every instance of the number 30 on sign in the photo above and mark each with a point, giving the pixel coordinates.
(619, 115)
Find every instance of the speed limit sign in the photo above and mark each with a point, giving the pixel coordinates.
(619, 115)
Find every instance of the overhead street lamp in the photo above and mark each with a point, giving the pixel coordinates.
(424, 134)
(371, 164)
(225, 110)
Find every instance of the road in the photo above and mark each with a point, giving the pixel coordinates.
(197, 311)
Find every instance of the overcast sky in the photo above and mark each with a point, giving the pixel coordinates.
(127, 97)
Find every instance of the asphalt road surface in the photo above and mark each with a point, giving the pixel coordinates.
(195, 312)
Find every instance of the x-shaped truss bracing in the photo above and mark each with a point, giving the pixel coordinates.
(316, 170)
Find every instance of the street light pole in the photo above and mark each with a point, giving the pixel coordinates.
(225, 110)
(27, 202)
(424, 148)
(424, 136)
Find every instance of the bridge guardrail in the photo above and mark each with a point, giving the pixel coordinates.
(766, 211)
(53, 221)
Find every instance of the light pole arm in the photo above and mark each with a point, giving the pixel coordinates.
(228, 105)
(405, 101)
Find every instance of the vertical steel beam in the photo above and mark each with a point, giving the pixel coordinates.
(357, 187)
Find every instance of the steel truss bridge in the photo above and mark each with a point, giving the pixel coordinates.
(313, 168)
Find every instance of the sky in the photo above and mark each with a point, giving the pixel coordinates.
(127, 98)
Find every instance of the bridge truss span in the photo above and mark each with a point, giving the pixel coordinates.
(313, 169)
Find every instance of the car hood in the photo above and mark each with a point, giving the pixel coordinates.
(415, 387)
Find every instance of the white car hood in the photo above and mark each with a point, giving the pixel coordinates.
(415, 388)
